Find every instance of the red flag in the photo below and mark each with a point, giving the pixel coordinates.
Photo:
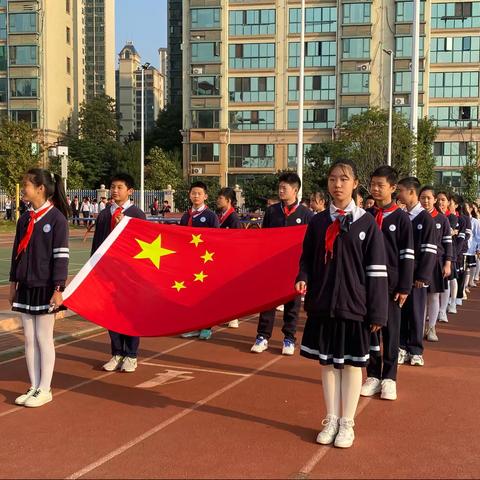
(156, 280)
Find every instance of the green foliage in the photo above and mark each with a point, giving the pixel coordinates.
(15, 153)
(166, 134)
(470, 175)
(426, 134)
(258, 190)
(163, 169)
(98, 119)
(317, 161)
(75, 172)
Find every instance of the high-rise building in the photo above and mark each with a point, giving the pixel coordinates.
(240, 101)
(175, 67)
(163, 56)
(129, 92)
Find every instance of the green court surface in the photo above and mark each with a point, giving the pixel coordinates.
(79, 254)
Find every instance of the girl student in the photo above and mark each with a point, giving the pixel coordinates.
(344, 276)
(473, 242)
(38, 274)
(443, 264)
(228, 218)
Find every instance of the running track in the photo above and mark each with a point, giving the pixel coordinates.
(222, 412)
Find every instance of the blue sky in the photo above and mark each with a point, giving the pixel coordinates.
(144, 22)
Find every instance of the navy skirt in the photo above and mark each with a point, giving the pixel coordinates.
(437, 285)
(336, 341)
(34, 300)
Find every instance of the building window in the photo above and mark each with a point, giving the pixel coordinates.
(24, 55)
(455, 50)
(406, 111)
(205, 152)
(251, 55)
(27, 116)
(3, 58)
(69, 95)
(252, 120)
(24, 87)
(450, 178)
(403, 47)
(356, 47)
(251, 22)
(68, 35)
(312, 119)
(456, 15)
(292, 154)
(450, 154)
(252, 156)
(456, 117)
(317, 87)
(3, 90)
(69, 65)
(403, 82)
(205, 17)
(206, 85)
(454, 84)
(317, 54)
(356, 13)
(346, 113)
(355, 83)
(317, 20)
(3, 26)
(67, 6)
(404, 11)
(205, 118)
(22, 22)
(205, 52)
(251, 89)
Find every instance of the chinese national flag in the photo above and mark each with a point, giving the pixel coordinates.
(157, 280)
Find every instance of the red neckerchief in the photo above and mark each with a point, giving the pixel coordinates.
(22, 246)
(194, 214)
(332, 233)
(434, 213)
(113, 222)
(289, 210)
(447, 212)
(457, 214)
(380, 211)
(226, 215)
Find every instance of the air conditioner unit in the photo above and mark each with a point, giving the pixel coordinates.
(197, 70)
(197, 170)
(399, 101)
(363, 67)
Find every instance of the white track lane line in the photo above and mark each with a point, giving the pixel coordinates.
(177, 367)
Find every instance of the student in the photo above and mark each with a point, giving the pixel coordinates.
(464, 211)
(94, 209)
(8, 209)
(102, 205)
(85, 207)
(155, 207)
(318, 201)
(75, 207)
(398, 239)
(199, 216)
(166, 208)
(124, 347)
(369, 202)
(464, 233)
(288, 213)
(473, 243)
(359, 200)
(474, 249)
(443, 265)
(413, 312)
(38, 274)
(226, 201)
(344, 275)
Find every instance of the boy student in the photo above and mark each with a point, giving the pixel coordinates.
(124, 347)
(398, 239)
(413, 312)
(287, 213)
(200, 216)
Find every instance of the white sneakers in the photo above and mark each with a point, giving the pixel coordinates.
(389, 389)
(371, 387)
(403, 356)
(346, 435)
(442, 317)
(23, 398)
(417, 361)
(288, 347)
(452, 308)
(330, 430)
(233, 324)
(338, 431)
(260, 345)
(124, 364)
(431, 335)
(39, 398)
(459, 302)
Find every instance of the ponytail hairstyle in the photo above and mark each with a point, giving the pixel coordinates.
(54, 190)
(229, 194)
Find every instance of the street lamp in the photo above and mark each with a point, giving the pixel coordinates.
(390, 107)
(144, 67)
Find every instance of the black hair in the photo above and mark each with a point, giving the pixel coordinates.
(387, 172)
(54, 189)
(457, 199)
(321, 194)
(125, 178)
(229, 194)
(369, 197)
(291, 178)
(427, 188)
(444, 192)
(198, 185)
(411, 183)
(344, 164)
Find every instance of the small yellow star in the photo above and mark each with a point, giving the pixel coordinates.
(208, 257)
(200, 277)
(179, 286)
(153, 251)
(196, 239)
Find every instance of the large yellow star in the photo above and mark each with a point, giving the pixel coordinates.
(200, 277)
(179, 286)
(196, 239)
(208, 257)
(153, 251)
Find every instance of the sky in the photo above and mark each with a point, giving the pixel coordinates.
(144, 22)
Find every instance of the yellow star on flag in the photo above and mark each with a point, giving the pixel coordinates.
(153, 251)
(208, 257)
(196, 239)
(179, 286)
(200, 277)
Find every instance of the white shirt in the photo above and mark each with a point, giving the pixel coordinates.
(351, 208)
(415, 211)
(126, 205)
(101, 207)
(85, 206)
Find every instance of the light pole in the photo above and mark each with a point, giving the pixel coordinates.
(415, 70)
(144, 67)
(390, 107)
(301, 95)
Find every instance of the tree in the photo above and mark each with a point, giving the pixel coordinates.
(166, 133)
(317, 161)
(426, 134)
(98, 119)
(470, 175)
(161, 171)
(75, 172)
(16, 155)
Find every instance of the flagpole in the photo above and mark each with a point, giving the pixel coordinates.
(415, 68)
(301, 96)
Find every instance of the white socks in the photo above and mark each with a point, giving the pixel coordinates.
(453, 291)
(433, 307)
(332, 384)
(39, 349)
(444, 297)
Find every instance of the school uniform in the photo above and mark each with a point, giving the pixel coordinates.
(123, 345)
(347, 288)
(230, 219)
(464, 234)
(413, 311)
(444, 242)
(398, 240)
(75, 207)
(280, 216)
(473, 244)
(202, 217)
(43, 264)
(453, 221)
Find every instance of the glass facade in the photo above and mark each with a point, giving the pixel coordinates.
(3, 90)
(252, 156)
(206, 85)
(346, 113)
(356, 13)
(205, 152)
(455, 50)
(454, 84)
(205, 118)
(356, 48)
(252, 120)
(22, 22)
(312, 118)
(3, 58)
(456, 117)
(456, 15)
(27, 116)
(251, 22)
(205, 17)
(251, 55)
(403, 81)
(450, 154)
(24, 87)
(205, 52)
(317, 20)
(292, 154)
(450, 178)
(3, 26)
(317, 54)
(355, 83)
(251, 89)
(403, 47)
(24, 55)
(404, 11)
(317, 87)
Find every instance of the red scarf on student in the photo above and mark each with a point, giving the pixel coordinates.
(22, 246)
(113, 223)
(194, 214)
(289, 210)
(224, 216)
(333, 231)
(380, 211)
(434, 213)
